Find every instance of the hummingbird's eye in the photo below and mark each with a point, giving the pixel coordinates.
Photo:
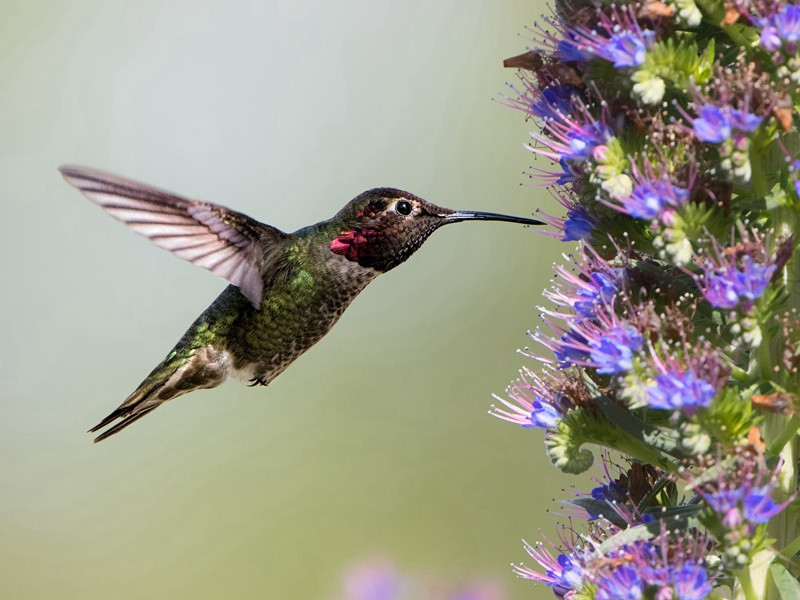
(403, 207)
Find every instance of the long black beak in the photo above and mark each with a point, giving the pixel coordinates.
(475, 215)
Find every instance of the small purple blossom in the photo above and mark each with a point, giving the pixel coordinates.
(610, 492)
(599, 289)
(534, 401)
(751, 505)
(571, 349)
(682, 391)
(568, 51)
(577, 226)
(552, 101)
(585, 292)
(649, 199)
(583, 140)
(606, 342)
(623, 583)
(691, 582)
(613, 352)
(653, 195)
(617, 37)
(741, 497)
(563, 574)
(669, 566)
(759, 506)
(717, 124)
(781, 28)
(569, 138)
(626, 49)
(728, 285)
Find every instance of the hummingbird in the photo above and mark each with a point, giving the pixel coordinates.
(286, 289)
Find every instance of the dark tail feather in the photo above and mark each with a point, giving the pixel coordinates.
(135, 416)
(145, 398)
(205, 367)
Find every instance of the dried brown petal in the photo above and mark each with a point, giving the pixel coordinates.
(653, 9)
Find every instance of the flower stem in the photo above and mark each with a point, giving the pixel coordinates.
(746, 585)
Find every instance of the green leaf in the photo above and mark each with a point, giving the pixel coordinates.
(665, 440)
(787, 585)
(600, 508)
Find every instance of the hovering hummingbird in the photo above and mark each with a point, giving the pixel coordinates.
(287, 289)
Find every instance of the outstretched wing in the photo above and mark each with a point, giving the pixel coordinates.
(225, 242)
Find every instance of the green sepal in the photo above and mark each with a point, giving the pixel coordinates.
(730, 416)
(587, 592)
(563, 442)
(680, 63)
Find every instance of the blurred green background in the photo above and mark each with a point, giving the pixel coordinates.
(377, 441)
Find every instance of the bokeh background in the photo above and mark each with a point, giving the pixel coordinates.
(376, 442)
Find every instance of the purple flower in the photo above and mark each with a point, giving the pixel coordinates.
(567, 577)
(649, 199)
(605, 342)
(717, 124)
(752, 279)
(568, 138)
(553, 100)
(759, 506)
(617, 37)
(563, 574)
(719, 291)
(610, 492)
(577, 226)
(585, 292)
(571, 349)
(626, 49)
(623, 583)
(533, 401)
(712, 125)
(583, 140)
(740, 496)
(691, 582)
(568, 50)
(613, 352)
(783, 27)
(652, 195)
(752, 505)
(680, 391)
(728, 285)
(600, 289)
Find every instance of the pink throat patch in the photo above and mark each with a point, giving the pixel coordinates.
(352, 244)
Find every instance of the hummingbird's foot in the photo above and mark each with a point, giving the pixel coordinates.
(258, 381)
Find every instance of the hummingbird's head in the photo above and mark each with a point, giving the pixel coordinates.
(383, 227)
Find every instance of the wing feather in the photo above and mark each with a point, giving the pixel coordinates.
(227, 243)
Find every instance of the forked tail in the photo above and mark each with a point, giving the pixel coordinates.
(184, 370)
